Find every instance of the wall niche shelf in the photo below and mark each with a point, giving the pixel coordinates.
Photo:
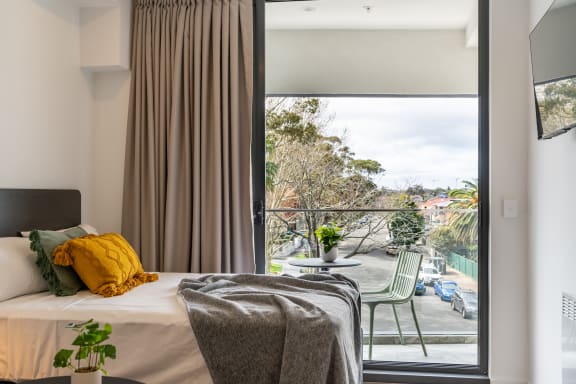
(105, 35)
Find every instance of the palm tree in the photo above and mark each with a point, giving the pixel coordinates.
(464, 218)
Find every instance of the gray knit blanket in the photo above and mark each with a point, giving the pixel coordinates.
(257, 329)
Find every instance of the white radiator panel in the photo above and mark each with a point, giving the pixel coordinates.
(568, 339)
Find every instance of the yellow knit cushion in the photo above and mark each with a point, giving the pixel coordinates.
(107, 264)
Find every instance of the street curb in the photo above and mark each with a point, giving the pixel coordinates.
(428, 339)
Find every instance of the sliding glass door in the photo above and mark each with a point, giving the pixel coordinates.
(373, 119)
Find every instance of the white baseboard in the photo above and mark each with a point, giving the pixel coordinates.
(507, 381)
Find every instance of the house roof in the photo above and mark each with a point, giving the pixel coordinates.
(436, 202)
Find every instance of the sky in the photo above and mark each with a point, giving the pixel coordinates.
(432, 142)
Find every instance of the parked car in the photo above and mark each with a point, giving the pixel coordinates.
(465, 301)
(430, 274)
(445, 289)
(420, 287)
(364, 219)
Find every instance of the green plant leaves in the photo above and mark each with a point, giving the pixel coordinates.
(89, 342)
(82, 353)
(328, 235)
(62, 358)
(109, 351)
(92, 326)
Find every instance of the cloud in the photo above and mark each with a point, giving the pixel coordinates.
(428, 141)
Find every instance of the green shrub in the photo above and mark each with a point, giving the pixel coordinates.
(406, 227)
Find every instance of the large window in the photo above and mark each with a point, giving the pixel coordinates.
(391, 179)
(393, 163)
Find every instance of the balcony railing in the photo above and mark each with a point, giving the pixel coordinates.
(373, 237)
(290, 232)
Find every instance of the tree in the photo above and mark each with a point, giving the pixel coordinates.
(311, 170)
(271, 167)
(406, 227)
(416, 190)
(464, 215)
(556, 104)
(443, 239)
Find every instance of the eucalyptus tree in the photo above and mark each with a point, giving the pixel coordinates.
(311, 170)
(557, 107)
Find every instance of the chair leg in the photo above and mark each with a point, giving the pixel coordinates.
(398, 324)
(372, 308)
(418, 328)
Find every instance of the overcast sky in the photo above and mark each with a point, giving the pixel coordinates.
(426, 141)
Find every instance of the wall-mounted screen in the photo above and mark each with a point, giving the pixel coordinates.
(554, 69)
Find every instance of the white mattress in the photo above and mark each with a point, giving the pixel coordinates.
(151, 331)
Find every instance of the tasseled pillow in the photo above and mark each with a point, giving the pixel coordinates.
(107, 264)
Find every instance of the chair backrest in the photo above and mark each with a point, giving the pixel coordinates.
(406, 274)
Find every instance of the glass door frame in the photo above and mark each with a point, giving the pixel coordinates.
(384, 371)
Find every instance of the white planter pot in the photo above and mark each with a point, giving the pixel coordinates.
(87, 377)
(330, 255)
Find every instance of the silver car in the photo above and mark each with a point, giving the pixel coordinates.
(465, 301)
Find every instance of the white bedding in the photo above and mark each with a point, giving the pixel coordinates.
(150, 330)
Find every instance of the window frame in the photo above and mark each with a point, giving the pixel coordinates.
(393, 371)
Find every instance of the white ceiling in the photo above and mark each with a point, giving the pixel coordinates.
(371, 14)
(96, 3)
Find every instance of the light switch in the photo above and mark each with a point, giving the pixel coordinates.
(510, 209)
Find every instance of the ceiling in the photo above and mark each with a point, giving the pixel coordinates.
(96, 3)
(371, 14)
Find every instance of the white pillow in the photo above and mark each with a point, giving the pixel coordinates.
(19, 274)
(87, 227)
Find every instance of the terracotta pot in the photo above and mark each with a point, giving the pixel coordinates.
(87, 377)
(331, 255)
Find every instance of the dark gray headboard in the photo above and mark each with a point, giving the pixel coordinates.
(27, 209)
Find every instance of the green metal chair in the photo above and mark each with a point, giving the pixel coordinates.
(399, 291)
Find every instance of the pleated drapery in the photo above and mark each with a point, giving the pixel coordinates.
(186, 203)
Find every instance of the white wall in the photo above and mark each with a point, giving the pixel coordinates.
(369, 61)
(553, 244)
(44, 98)
(60, 126)
(110, 91)
(509, 133)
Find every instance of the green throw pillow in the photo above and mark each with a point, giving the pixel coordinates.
(62, 281)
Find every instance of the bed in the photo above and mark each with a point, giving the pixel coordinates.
(150, 329)
(151, 326)
(145, 320)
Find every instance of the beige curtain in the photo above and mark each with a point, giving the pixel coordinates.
(187, 205)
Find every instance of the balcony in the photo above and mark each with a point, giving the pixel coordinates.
(373, 237)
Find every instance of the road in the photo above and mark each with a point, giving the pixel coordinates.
(435, 316)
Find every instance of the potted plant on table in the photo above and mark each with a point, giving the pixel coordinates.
(88, 362)
(328, 236)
